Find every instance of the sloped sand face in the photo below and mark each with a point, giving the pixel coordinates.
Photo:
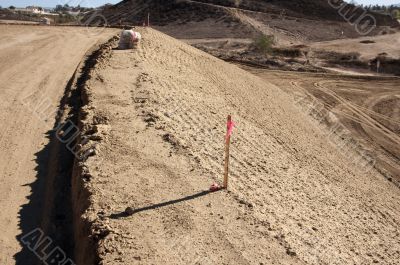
(155, 117)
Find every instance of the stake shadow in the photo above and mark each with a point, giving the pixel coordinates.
(162, 204)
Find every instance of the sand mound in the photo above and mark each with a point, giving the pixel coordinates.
(156, 119)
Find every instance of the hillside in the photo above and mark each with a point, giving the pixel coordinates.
(313, 9)
(291, 21)
(153, 120)
(8, 15)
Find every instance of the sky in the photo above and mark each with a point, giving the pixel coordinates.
(372, 2)
(53, 3)
(95, 3)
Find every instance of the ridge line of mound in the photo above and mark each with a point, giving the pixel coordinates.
(86, 232)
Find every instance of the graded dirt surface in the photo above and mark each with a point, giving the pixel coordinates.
(368, 107)
(36, 64)
(368, 47)
(155, 119)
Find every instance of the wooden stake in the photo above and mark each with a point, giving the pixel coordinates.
(227, 144)
(148, 19)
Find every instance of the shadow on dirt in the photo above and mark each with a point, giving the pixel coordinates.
(159, 205)
(30, 214)
(49, 207)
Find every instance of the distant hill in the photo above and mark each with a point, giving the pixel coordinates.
(289, 20)
(9, 15)
(321, 9)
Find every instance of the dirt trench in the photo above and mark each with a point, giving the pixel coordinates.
(64, 199)
(36, 71)
(86, 234)
(78, 236)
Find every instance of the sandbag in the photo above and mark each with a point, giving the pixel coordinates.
(129, 39)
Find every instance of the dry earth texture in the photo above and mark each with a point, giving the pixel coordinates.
(367, 108)
(153, 122)
(36, 65)
(359, 53)
(368, 47)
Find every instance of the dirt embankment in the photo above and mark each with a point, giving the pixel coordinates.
(154, 124)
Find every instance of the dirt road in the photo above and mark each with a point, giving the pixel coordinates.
(36, 64)
(156, 119)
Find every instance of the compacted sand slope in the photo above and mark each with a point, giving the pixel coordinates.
(156, 116)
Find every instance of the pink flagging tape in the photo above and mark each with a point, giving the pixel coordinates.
(230, 126)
